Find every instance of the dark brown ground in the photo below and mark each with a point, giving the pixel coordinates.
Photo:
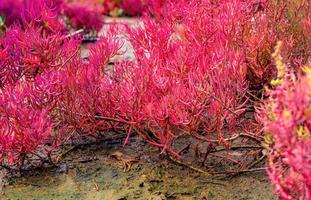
(97, 171)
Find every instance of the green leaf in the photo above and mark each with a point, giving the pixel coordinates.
(2, 20)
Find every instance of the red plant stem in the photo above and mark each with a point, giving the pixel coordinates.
(128, 135)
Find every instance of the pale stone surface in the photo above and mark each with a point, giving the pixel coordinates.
(127, 50)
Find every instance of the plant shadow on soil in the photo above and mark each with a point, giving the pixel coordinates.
(109, 171)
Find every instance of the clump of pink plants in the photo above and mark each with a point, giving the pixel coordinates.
(24, 130)
(11, 10)
(51, 14)
(267, 23)
(30, 52)
(287, 122)
(188, 78)
(85, 105)
(123, 7)
(48, 93)
(30, 11)
(82, 17)
(132, 7)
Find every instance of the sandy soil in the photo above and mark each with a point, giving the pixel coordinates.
(109, 171)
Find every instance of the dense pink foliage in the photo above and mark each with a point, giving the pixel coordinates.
(30, 52)
(23, 128)
(85, 90)
(269, 22)
(195, 62)
(42, 74)
(288, 121)
(10, 9)
(188, 79)
(132, 7)
(183, 82)
(82, 17)
(49, 14)
(30, 11)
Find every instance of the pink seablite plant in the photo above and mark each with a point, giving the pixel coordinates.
(85, 101)
(30, 86)
(43, 75)
(287, 122)
(188, 77)
(267, 23)
(82, 17)
(129, 7)
(43, 14)
(188, 80)
(23, 129)
(132, 7)
(49, 14)
(40, 12)
(31, 52)
(11, 10)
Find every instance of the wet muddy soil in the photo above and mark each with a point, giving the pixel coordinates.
(109, 171)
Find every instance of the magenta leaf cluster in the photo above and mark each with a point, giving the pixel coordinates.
(82, 17)
(197, 74)
(48, 93)
(188, 78)
(52, 14)
(288, 125)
